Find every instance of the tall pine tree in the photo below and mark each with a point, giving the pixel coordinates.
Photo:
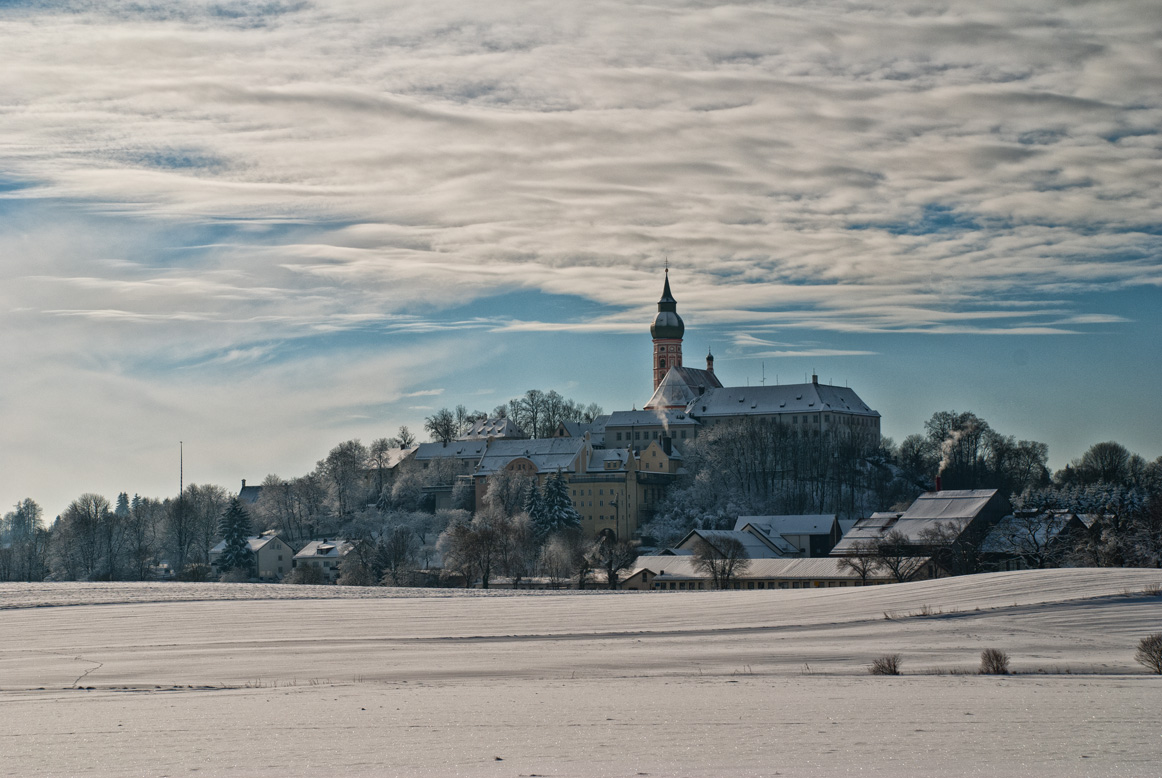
(533, 505)
(557, 511)
(234, 527)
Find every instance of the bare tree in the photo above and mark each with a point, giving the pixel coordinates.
(78, 531)
(899, 556)
(613, 556)
(202, 506)
(723, 560)
(379, 457)
(405, 437)
(442, 426)
(397, 553)
(954, 544)
(863, 560)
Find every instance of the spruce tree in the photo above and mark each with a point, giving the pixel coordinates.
(533, 506)
(557, 511)
(234, 527)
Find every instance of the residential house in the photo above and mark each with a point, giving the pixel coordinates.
(325, 555)
(271, 556)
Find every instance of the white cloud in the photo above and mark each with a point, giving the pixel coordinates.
(202, 185)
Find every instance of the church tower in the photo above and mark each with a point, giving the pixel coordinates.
(667, 331)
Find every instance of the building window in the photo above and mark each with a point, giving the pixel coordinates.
(661, 363)
(637, 436)
(683, 434)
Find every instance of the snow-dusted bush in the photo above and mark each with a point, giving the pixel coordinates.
(888, 664)
(1149, 652)
(993, 661)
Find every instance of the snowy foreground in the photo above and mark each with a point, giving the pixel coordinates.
(216, 679)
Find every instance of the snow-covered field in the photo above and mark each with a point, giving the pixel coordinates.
(214, 679)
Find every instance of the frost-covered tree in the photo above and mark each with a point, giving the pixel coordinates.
(343, 469)
(442, 426)
(24, 543)
(508, 491)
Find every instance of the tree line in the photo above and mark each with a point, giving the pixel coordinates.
(536, 413)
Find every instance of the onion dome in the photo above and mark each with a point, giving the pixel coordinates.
(667, 324)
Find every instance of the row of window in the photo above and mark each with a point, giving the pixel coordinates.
(650, 435)
(759, 584)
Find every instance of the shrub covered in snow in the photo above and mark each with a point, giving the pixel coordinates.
(1149, 652)
(993, 661)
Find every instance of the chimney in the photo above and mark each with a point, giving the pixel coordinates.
(815, 379)
(938, 484)
(667, 445)
(709, 362)
(243, 483)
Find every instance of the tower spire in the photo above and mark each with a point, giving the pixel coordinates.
(667, 331)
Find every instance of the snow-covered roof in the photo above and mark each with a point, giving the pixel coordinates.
(393, 456)
(813, 568)
(949, 504)
(546, 454)
(470, 450)
(871, 529)
(493, 428)
(668, 418)
(248, 495)
(602, 456)
(931, 510)
(784, 398)
(681, 386)
(756, 547)
(254, 543)
(804, 524)
(334, 548)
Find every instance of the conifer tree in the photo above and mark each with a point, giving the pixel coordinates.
(534, 506)
(234, 527)
(557, 511)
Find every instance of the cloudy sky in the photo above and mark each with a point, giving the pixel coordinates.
(262, 228)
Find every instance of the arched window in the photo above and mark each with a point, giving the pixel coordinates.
(661, 363)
